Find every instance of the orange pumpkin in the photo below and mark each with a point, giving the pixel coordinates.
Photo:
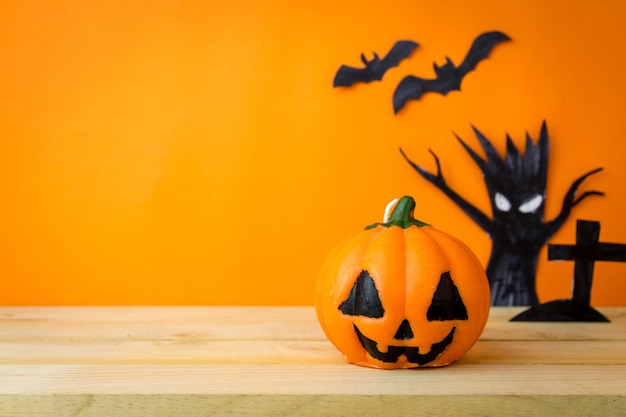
(402, 294)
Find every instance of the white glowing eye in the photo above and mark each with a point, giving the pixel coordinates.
(502, 203)
(532, 204)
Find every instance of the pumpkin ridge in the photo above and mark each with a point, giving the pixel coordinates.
(390, 283)
(453, 248)
(430, 260)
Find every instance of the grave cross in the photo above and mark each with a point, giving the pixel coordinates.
(585, 253)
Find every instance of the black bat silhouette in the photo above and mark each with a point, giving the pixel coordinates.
(449, 76)
(376, 68)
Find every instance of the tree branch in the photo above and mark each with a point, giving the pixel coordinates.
(570, 200)
(480, 218)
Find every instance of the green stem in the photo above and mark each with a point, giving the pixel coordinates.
(402, 215)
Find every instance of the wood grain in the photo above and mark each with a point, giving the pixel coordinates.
(268, 361)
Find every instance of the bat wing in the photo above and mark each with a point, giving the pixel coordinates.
(376, 68)
(411, 88)
(480, 49)
(399, 51)
(346, 76)
(448, 76)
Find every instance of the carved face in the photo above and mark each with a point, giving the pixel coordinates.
(394, 297)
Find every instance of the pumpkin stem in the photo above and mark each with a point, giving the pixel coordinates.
(390, 206)
(402, 215)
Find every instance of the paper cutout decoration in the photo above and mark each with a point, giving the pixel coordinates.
(375, 69)
(584, 253)
(517, 189)
(449, 76)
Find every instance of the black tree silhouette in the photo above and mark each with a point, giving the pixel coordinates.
(517, 189)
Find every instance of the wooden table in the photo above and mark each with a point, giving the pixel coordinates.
(275, 361)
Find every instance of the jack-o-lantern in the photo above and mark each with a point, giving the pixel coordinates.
(402, 294)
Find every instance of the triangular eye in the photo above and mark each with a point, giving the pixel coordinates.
(447, 303)
(363, 299)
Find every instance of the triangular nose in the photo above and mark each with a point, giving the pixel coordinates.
(404, 331)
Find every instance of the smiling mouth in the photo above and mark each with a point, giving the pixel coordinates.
(412, 354)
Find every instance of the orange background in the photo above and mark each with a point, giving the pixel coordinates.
(195, 152)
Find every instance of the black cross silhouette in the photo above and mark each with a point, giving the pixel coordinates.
(584, 253)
